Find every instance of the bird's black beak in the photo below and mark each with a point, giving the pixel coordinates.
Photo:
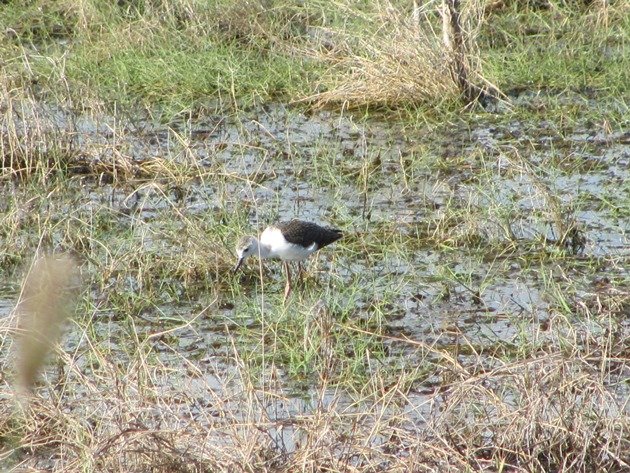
(238, 264)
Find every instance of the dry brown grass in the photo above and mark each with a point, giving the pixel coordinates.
(39, 142)
(559, 409)
(401, 57)
(30, 142)
(45, 302)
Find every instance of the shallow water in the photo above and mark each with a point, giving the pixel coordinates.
(332, 168)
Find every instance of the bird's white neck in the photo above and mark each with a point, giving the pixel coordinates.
(262, 251)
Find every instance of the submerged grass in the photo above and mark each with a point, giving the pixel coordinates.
(397, 352)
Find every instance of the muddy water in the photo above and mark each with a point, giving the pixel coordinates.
(377, 177)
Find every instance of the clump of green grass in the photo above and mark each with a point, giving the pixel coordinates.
(31, 143)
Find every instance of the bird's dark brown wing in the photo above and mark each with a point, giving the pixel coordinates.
(305, 234)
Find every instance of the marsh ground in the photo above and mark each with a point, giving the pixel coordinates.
(474, 316)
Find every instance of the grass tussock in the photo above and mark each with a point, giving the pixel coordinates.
(399, 58)
(549, 414)
(31, 143)
(40, 142)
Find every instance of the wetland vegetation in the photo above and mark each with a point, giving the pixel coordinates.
(475, 316)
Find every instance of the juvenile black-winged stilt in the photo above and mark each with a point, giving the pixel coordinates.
(295, 240)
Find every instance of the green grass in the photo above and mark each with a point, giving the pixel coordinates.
(155, 57)
(191, 55)
(561, 50)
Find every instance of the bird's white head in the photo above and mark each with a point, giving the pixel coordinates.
(246, 247)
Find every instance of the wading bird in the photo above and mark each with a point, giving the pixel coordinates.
(295, 240)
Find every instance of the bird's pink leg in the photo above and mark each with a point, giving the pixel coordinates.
(287, 289)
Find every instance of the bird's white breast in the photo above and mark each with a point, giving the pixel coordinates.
(273, 239)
